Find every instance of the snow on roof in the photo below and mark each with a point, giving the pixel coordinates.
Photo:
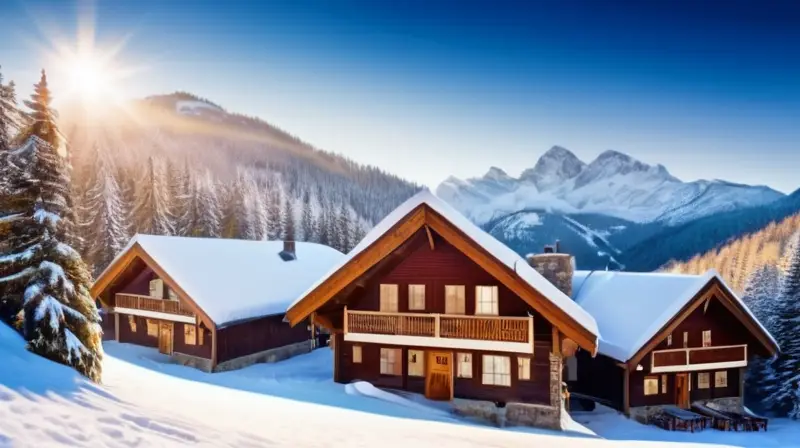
(233, 280)
(630, 307)
(499, 250)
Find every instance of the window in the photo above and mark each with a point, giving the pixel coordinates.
(496, 370)
(721, 379)
(391, 361)
(172, 295)
(189, 334)
(152, 327)
(356, 354)
(486, 300)
(454, 299)
(132, 323)
(389, 298)
(669, 340)
(524, 368)
(663, 384)
(416, 363)
(651, 385)
(685, 339)
(157, 289)
(703, 380)
(707, 338)
(416, 297)
(464, 365)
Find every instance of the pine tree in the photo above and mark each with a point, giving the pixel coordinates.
(177, 192)
(208, 224)
(43, 117)
(760, 295)
(307, 219)
(235, 213)
(344, 228)
(8, 114)
(106, 225)
(258, 222)
(288, 220)
(42, 275)
(323, 237)
(783, 397)
(333, 226)
(151, 213)
(274, 219)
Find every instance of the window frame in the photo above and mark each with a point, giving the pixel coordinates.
(413, 291)
(700, 376)
(385, 300)
(357, 354)
(189, 334)
(455, 300)
(649, 379)
(132, 323)
(393, 364)
(669, 340)
(419, 363)
(462, 363)
(524, 368)
(707, 338)
(152, 323)
(494, 370)
(721, 374)
(494, 301)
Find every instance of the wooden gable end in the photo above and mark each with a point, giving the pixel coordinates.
(419, 226)
(714, 308)
(131, 272)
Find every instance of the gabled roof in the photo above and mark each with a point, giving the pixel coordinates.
(425, 209)
(229, 280)
(631, 308)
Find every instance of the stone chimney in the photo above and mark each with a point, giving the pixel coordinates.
(555, 266)
(288, 253)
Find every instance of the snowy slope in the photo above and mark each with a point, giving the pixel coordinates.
(614, 184)
(147, 402)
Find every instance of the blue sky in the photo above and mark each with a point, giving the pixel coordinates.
(426, 89)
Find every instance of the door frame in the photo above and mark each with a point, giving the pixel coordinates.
(165, 344)
(432, 367)
(684, 379)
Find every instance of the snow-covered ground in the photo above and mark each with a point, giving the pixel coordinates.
(145, 401)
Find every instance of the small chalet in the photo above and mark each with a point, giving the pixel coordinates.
(667, 339)
(215, 304)
(430, 303)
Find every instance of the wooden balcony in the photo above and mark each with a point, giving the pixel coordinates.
(698, 358)
(514, 330)
(149, 304)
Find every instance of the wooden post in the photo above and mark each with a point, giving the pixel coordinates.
(530, 331)
(116, 326)
(556, 342)
(345, 319)
(214, 347)
(626, 387)
(436, 326)
(313, 331)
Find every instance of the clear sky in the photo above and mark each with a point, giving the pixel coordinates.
(426, 89)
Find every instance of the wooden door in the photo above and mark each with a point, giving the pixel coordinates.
(439, 376)
(165, 338)
(682, 390)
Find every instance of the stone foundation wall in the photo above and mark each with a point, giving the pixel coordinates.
(642, 414)
(271, 355)
(535, 415)
(192, 361)
(730, 404)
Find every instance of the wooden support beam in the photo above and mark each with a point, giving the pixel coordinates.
(626, 398)
(214, 348)
(556, 341)
(430, 237)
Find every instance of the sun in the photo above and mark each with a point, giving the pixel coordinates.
(89, 79)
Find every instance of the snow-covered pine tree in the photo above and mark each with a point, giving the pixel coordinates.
(307, 218)
(151, 213)
(332, 222)
(323, 237)
(235, 211)
(783, 397)
(343, 227)
(43, 117)
(8, 114)
(357, 235)
(274, 219)
(45, 275)
(761, 296)
(106, 222)
(208, 224)
(177, 192)
(287, 214)
(256, 212)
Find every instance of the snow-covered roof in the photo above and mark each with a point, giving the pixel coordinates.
(233, 280)
(497, 249)
(630, 307)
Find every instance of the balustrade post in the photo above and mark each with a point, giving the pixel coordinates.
(530, 331)
(345, 319)
(436, 328)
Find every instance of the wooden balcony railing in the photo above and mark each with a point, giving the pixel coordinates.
(146, 303)
(698, 358)
(485, 328)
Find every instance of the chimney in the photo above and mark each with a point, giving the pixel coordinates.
(555, 266)
(288, 252)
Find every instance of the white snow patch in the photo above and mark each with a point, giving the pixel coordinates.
(43, 216)
(194, 107)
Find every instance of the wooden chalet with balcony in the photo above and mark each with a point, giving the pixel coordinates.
(214, 304)
(429, 303)
(666, 340)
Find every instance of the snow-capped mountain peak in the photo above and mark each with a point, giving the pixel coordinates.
(555, 166)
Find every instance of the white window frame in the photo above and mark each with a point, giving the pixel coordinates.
(416, 297)
(487, 300)
(416, 363)
(391, 361)
(700, 382)
(523, 368)
(464, 365)
(706, 338)
(455, 299)
(721, 379)
(388, 298)
(651, 385)
(357, 354)
(496, 371)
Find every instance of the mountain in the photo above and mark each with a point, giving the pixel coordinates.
(614, 184)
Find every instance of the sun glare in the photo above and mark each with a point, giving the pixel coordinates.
(90, 81)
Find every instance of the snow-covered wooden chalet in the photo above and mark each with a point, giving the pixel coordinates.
(430, 303)
(215, 304)
(666, 339)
